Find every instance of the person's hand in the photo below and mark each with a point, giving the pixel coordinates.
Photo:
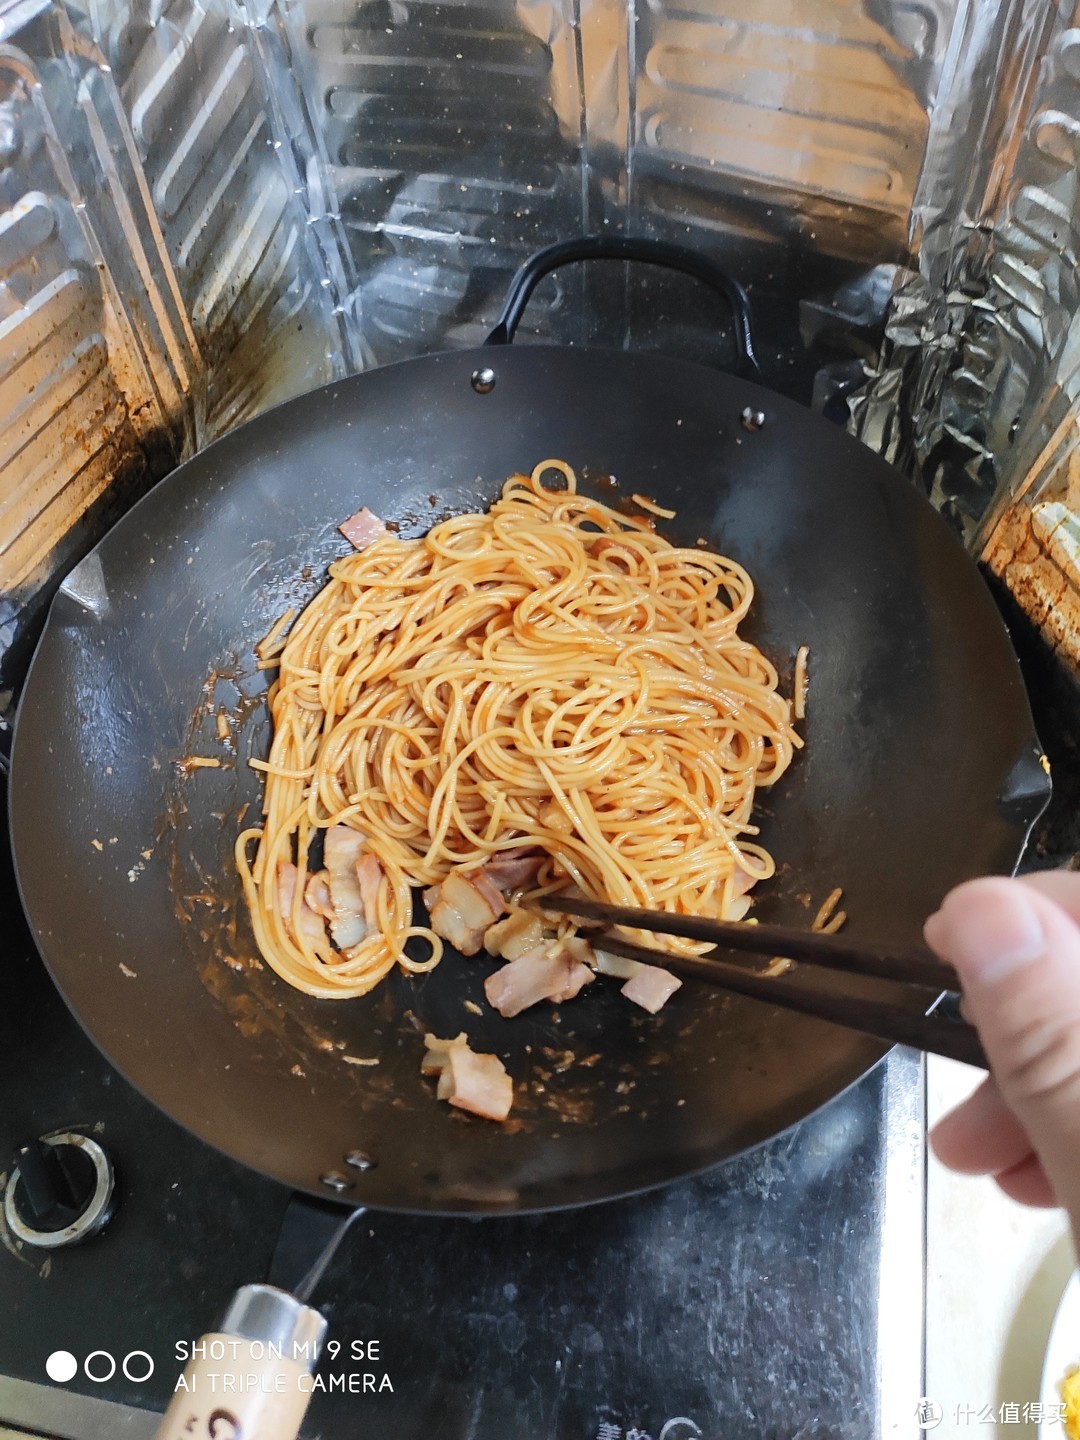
(1016, 947)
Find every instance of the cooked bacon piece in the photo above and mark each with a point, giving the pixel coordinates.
(342, 847)
(577, 977)
(435, 1052)
(362, 529)
(461, 912)
(369, 873)
(539, 974)
(742, 882)
(343, 850)
(579, 950)
(480, 880)
(477, 1083)
(646, 985)
(310, 926)
(511, 869)
(579, 958)
(651, 987)
(519, 932)
(546, 972)
(317, 895)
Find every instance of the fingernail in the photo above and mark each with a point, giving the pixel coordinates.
(988, 930)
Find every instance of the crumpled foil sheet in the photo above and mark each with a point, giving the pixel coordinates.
(976, 392)
(258, 196)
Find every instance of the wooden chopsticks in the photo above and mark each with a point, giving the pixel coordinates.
(896, 1023)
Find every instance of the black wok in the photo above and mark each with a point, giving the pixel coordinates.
(921, 769)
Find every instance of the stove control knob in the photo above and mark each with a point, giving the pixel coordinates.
(61, 1190)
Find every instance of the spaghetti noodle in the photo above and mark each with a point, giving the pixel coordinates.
(550, 675)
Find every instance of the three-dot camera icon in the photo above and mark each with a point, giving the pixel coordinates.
(99, 1366)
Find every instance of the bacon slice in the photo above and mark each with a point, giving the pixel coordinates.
(549, 971)
(577, 977)
(343, 849)
(482, 881)
(511, 869)
(369, 873)
(317, 894)
(579, 950)
(515, 935)
(435, 1052)
(537, 975)
(477, 1083)
(742, 882)
(651, 987)
(362, 529)
(461, 911)
(580, 959)
(309, 926)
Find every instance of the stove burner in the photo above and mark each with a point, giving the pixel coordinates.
(61, 1191)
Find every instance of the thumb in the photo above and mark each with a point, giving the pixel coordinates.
(1018, 957)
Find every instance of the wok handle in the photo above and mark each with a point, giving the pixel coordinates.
(252, 1379)
(626, 247)
(244, 1393)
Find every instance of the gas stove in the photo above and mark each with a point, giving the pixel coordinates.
(780, 1295)
(247, 208)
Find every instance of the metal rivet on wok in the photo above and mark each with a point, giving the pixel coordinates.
(752, 419)
(360, 1161)
(334, 1180)
(483, 381)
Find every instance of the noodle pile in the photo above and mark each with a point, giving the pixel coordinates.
(550, 674)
